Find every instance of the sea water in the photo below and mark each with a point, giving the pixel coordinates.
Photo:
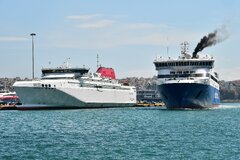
(121, 133)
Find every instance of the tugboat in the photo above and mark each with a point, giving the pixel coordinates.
(188, 82)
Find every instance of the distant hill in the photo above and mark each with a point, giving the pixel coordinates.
(230, 90)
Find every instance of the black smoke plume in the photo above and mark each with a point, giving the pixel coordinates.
(211, 39)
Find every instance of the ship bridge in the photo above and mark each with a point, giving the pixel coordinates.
(56, 73)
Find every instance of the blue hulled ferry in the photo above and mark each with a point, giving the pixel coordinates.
(188, 81)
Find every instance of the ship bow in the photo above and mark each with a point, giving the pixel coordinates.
(189, 95)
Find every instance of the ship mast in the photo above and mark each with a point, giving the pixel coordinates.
(185, 49)
(167, 46)
(97, 61)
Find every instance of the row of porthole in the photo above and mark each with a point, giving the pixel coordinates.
(46, 85)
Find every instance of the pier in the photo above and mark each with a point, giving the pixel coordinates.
(8, 107)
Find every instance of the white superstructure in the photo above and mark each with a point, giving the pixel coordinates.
(72, 88)
(186, 69)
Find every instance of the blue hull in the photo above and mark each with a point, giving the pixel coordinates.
(189, 95)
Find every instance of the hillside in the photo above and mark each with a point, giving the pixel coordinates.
(230, 90)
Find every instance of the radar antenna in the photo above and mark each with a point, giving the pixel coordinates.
(184, 50)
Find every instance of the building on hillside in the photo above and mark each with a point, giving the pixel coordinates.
(151, 96)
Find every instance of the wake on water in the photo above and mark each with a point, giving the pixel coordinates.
(228, 105)
(221, 106)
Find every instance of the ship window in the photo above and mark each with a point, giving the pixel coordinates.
(184, 75)
(172, 72)
(179, 72)
(165, 76)
(45, 85)
(186, 72)
(199, 75)
(49, 85)
(42, 85)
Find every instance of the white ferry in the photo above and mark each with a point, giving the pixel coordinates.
(188, 82)
(67, 87)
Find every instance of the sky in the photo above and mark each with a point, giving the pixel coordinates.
(127, 35)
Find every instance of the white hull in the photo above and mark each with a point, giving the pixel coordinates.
(72, 96)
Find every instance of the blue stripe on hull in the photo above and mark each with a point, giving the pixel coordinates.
(189, 95)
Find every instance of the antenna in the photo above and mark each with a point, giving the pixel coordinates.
(66, 63)
(97, 60)
(167, 46)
